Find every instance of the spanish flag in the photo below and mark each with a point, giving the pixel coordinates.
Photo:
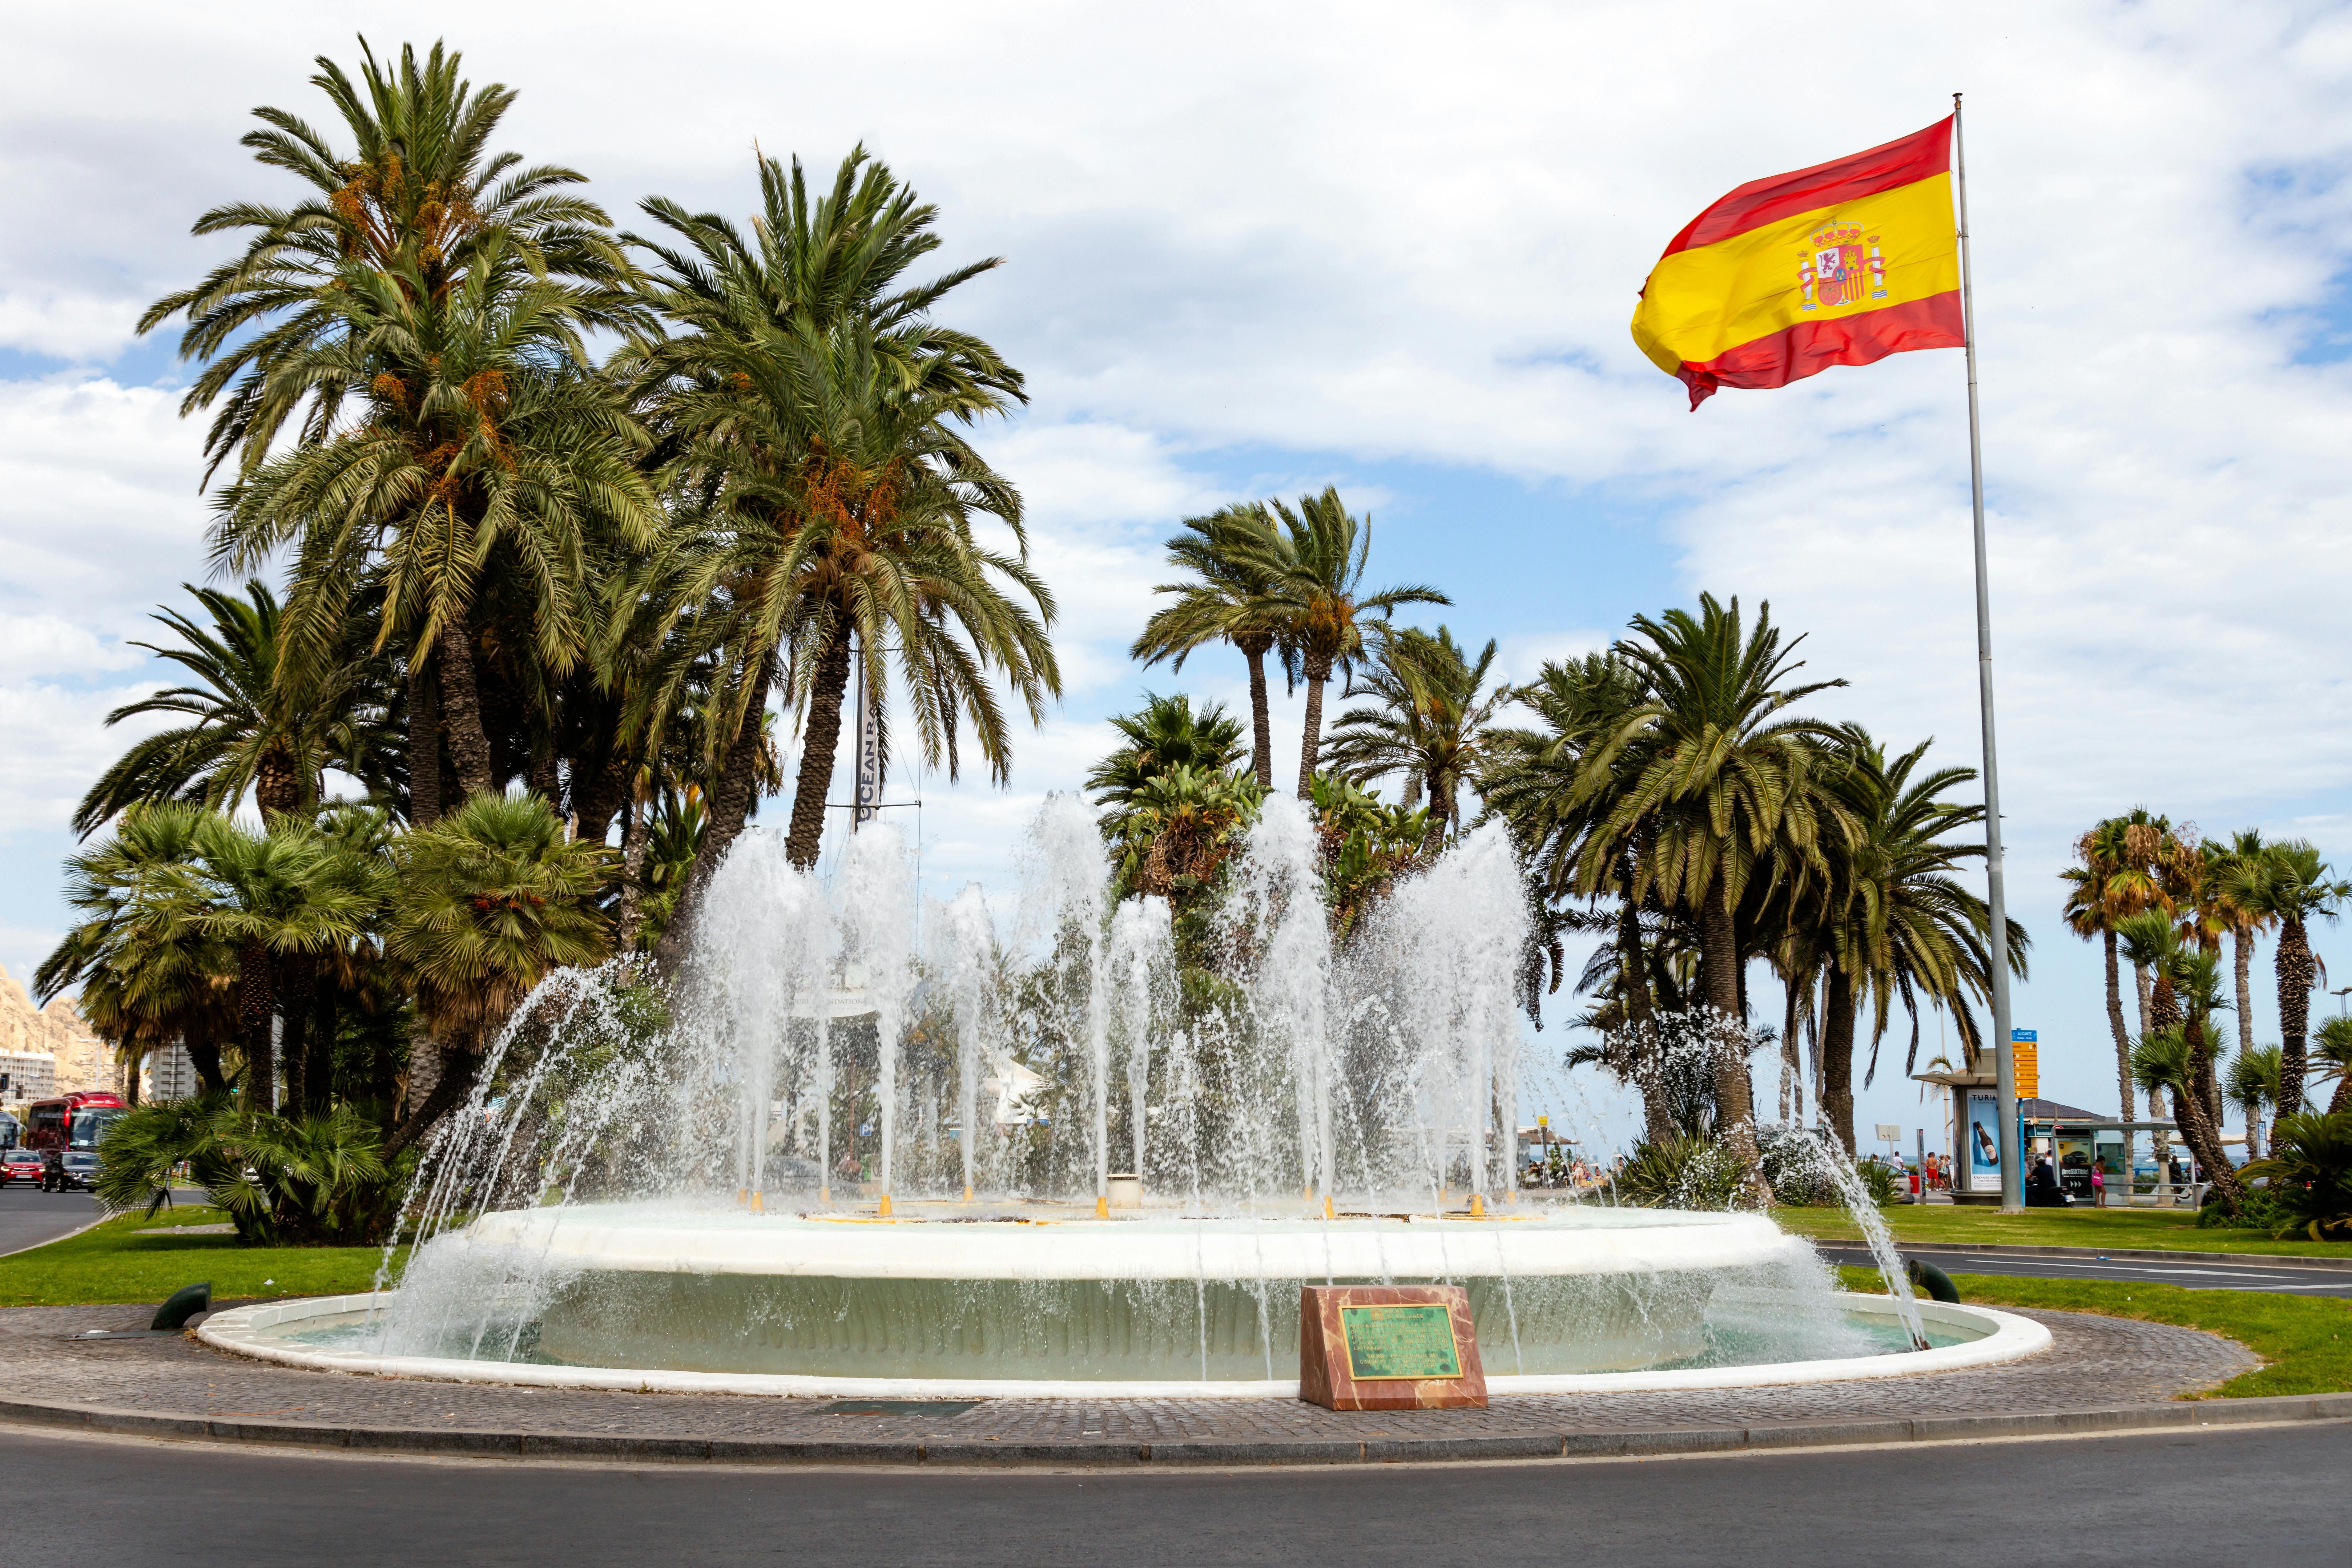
(1842, 263)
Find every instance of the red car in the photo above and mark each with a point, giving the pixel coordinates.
(19, 1165)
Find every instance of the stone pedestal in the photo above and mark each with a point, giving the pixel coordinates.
(1388, 1347)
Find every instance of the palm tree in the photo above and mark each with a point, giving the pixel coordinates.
(148, 971)
(1176, 829)
(1430, 725)
(1314, 594)
(1542, 781)
(2253, 1087)
(2225, 875)
(814, 412)
(415, 324)
(2292, 886)
(2195, 980)
(489, 901)
(280, 902)
(1895, 923)
(250, 731)
(2115, 882)
(2332, 1062)
(1225, 600)
(2149, 942)
(1702, 783)
(1165, 734)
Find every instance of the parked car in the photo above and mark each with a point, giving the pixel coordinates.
(20, 1164)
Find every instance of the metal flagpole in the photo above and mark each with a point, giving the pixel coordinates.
(2012, 1177)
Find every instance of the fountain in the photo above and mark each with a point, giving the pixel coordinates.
(816, 1165)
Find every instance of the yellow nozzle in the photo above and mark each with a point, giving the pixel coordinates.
(886, 1205)
(758, 1204)
(1102, 1206)
(1477, 1206)
(1327, 1207)
(967, 1192)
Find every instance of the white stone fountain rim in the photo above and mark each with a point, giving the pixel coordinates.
(246, 1330)
(1156, 1248)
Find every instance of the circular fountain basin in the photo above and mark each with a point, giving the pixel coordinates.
(1160, 1304)
(332, 1333)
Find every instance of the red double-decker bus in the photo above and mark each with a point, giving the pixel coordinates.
(71, 1120)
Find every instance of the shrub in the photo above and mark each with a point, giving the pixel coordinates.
(282, 1180)
(1680, 1173)
(2310, 1175)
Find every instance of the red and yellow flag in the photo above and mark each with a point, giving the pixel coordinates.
(1842, 263)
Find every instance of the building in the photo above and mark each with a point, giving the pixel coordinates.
(27, 1074)
(171, 1075)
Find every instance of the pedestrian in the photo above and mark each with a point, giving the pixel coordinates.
(2098, 1189)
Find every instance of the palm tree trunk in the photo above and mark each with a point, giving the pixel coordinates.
(1837, 1056)
(2341, 1101)
(2198, 1127)
(2295, 971)
(634, 836)
(1792, 1088)
(424, 742)
(1735, 1111)
(806, 835)
(461, 709)
(1261, 717)
(320, 1072)
(1634, 967)
(2115, 1023)
(1317, 672)
(253, 1014)
(2241, 955)
(276, 783)
(730, 807)
(2141, 981)
(451, 1071)
(606, 787)
(293, 1049)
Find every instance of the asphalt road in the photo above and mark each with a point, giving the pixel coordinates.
(2273, 1496)
(2282, 1277)
(29, 1216)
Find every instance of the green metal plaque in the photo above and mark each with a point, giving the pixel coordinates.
(1388, 1344)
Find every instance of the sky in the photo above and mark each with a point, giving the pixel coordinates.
(1251, 251)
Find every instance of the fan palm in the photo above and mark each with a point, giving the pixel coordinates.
(1430, 725)
(814, 411)
(279, 901)
(489, 901)
(147, 970)
(1313, 596)
(250, 731)
(2330, 1061)
(1165, 734)
(415, 322)
(2292, 886)
(1224, 600)
(2253, 1087)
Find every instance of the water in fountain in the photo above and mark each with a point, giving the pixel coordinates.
(655, 1169)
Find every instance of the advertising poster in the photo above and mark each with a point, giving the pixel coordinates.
(1984, 1139)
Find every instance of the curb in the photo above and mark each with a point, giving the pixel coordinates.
(2128, 1254)
(1266, 1452)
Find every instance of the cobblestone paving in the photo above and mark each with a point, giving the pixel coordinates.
(2095, 1362)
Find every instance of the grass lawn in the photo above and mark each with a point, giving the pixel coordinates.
(133, 1259)
(2161, 1230)
(2307, 1341)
